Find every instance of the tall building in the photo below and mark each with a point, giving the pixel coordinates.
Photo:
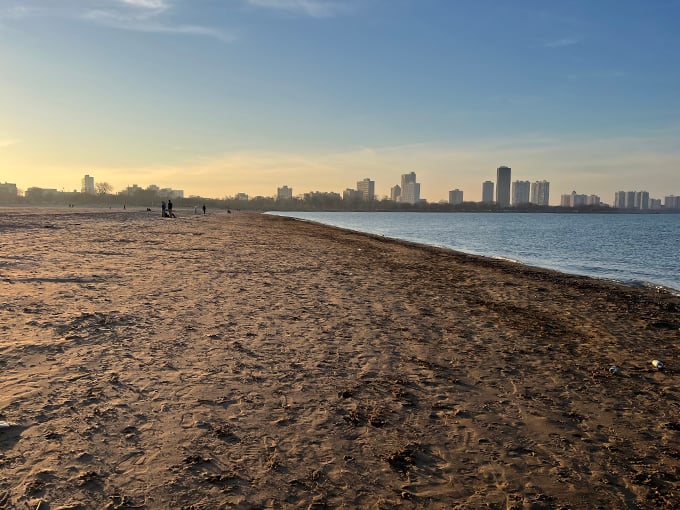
(630, 200)
(578, 200)
(410, 189)
(642, 200)
(573, 200)
(367, 189)
(620, 199)
(487, 192)
(87, 185)
(671, 202)
(284, 193)
(455, 197)
(593, 200)
(520, 192)
(395, 193)
(540, 193)
(503, 186)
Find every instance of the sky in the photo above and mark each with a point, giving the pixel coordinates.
(219, 97)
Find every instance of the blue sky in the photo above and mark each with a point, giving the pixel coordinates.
(220, 97)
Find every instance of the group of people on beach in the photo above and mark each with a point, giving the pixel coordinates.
(166, 209)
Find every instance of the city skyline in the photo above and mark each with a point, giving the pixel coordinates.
(248, 94)
(520, 193)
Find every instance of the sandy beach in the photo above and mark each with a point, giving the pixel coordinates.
(252, 361)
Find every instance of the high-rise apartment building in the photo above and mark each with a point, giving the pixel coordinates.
(620, 199)
(487, 192)
(540, 193)
(455, 197)
(284, 193)
(503, 186)
(578, 200)
(87, 185)
(593, 200)
(671, 202)
(410, 189)
(642, 200)
(631, 200)
(367, 189)
(520, 192)
(395, 193)
(573, 199)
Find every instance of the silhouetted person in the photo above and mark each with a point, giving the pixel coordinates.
(170, 207)
(203, 208)
(163, 213)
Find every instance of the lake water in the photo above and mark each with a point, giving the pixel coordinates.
(636, 249)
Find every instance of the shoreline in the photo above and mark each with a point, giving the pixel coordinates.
(252, 360)
(638, 283)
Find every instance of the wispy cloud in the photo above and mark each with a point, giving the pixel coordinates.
(150, 24)
(147, 4)
(313, 8)
(152, 16)
(563, 42)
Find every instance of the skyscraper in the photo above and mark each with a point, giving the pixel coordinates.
(367, 189)
(87, 185)
(395, 193)
(284, 193)
(487, 192)
(642, 200)
(455, 197)
(540, 193)
(520, 192)
(503, 186)
(620, 199)
(410, 189)
(671, 202)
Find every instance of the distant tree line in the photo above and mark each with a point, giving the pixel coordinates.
(317, 201)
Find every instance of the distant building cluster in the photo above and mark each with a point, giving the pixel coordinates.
(574, 199)
(641, 200)
(504, 193)
(515, 193)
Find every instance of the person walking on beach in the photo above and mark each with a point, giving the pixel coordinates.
(163, 214)
(203, 208)
(170, 208)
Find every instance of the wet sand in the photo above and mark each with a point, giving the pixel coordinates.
(253, 361)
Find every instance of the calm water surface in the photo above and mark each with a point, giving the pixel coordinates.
(637, 249)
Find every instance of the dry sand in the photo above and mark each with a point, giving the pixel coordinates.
(250, 361)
